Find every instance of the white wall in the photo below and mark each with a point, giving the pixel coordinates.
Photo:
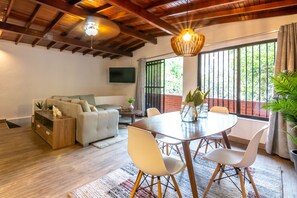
(27, 73)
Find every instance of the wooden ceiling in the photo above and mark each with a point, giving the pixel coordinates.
(58, 24)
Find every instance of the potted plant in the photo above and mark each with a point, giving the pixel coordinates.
(39, 105)
(293, 152)
(193, 100)
(130, 101)
(285, 102)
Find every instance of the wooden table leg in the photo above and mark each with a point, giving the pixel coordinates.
(226, 140)
(132, 118)
(188, 158)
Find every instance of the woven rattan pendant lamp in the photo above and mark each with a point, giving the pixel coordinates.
(187, 43)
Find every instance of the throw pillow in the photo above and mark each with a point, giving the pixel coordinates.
(89, 98)
(93, 108)
(85, 106)
(66, 99)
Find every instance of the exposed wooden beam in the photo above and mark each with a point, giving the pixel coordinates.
(75, 49)
(145, 15)
(102, 8)
(97, 54)
(28, 24)
(73, 2)
(50, 26)
(52, 43)
(131, 49)
(114, 57)
(58, 38)
(72, 10)
(159, 4)
(4, 19)
(72, 28)
(86, 51)
(64, 47)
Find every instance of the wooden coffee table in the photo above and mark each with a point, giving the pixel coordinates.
(131, 114)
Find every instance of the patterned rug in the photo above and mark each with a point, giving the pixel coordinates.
(123, 135)
(119, 183)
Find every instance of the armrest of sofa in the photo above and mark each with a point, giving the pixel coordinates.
(94, 126)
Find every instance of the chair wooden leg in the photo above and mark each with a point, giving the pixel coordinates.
(216, 143)
(207, 143)
(140, 173)
(223, 143)
(179, 153)
(176, 186)
(221, 173)
(252, 181)
(199, 146)
(159, 188)
(211, 179)
(152, 182)
(241, 183)
(167, 149)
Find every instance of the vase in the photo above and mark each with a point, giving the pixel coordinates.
(202, 110)
(189, 113)
(131, 107)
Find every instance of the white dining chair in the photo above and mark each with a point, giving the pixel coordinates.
(237, 159)
(218, 139)
(147, 157)
(166, 142)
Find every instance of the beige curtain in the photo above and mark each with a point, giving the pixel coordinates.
(139, 100)
(286, 59)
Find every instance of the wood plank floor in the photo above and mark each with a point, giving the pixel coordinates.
(30, 168)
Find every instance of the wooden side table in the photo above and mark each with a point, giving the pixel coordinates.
(57, 132)
(131, 114)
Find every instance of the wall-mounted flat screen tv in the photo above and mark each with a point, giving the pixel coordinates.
(122, 75)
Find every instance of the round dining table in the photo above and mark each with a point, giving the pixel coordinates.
(171, 125)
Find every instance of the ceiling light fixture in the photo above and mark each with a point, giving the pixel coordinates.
(100, 28)
(91, 28)
(187, 43)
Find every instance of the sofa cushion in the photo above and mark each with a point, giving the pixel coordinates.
(77, 101)
(74, 97)
(90, 98)
(85, 106)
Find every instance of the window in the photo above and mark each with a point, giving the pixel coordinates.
(239, 77)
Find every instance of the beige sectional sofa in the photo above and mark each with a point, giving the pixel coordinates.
(92, 124)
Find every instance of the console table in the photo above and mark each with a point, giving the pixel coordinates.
(57, 132)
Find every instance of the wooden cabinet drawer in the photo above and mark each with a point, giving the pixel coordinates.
(44, 132)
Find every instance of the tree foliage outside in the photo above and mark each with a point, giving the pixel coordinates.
(245, 70)
(174, 76)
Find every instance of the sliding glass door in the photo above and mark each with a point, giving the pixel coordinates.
(155, 85)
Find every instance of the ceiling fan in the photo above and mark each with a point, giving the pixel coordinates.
(100, 28)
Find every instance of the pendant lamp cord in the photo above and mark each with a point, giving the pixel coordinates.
(187, 14)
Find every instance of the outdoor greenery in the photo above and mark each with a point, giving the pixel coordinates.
(174, 75)
(197, 97)
(244, 70)
(285, 100)
(257, 65)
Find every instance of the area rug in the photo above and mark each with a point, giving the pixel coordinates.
(123, 135)
(119, 183)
